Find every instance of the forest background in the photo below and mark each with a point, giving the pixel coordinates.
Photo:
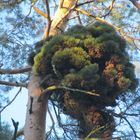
(22, 25)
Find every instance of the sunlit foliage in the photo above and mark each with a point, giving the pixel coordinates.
(92, 59)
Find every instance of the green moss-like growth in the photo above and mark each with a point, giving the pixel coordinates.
(70, 58)
(81, 79)
(88, 58)
(91, 59)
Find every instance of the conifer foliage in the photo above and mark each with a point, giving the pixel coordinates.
(92, 59)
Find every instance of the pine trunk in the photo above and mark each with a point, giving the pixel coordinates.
(36, 118)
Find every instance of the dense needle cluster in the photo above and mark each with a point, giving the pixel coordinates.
(92, 59)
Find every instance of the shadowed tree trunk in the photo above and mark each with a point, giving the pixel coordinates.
(97, 124)
(93, 122)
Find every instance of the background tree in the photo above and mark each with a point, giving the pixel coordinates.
(5, 132)
(20, 37)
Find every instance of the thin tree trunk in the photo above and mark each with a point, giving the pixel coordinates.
(36, 117)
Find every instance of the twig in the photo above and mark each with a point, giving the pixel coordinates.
(53, 88)
(10, 2)
(94, 131)
(16, 84)
(110, 9)
(53, 124)
(64, 127)
(83, 3)
(40, 12)
(132, 104)
(15, 124)
(15, 71)
(136, 45)
(78, 17)
(93, 93)
(131, 128)
(49, 18)
(121, 115)
(55, 4)
(10, 101)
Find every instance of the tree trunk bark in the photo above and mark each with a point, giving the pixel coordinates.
(60, 18)
(36, 113)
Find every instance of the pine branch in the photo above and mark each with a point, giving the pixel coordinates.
(122, 33)
(10, 2)
(40, 12)
(94, 132)
(61, 3)
(15, 71)
(110, 9)
(16, 84)
(15, 124)
(135, 3)
(49, 18)
(53, 88)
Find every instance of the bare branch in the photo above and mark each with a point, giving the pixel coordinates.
(63, 126)
(132, 114)
(110, 9)
(16, 84)
(53, 88)
(10, 2)
(121, 115)
(61, 3)
(122, 33)
(53, 124)
(83, 3)
(94, 131)
(135, 134)
(136, 100)
(135, 3)
(10, 101)
(93, 93)
(15, 124)
(128, 36)
(49, 18)
(40, 12)
(97, 18)
(15, 71)
(135, 45)
(78, 17)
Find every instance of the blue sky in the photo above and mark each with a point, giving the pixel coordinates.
(17, 110)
